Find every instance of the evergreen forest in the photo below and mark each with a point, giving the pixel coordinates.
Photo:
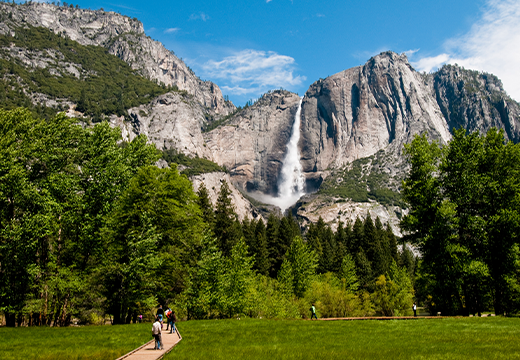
(91, 231)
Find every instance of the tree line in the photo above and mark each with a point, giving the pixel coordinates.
(464, 215)
(91, 230)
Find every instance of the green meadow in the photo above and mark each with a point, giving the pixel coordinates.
(452, 338)
(87, 342)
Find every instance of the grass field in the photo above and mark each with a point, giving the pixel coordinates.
(88, 342)
(462, 338)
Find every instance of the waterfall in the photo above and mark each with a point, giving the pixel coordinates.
(291, 184)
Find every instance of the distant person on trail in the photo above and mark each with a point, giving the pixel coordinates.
(167, 315)
(414, 309)
(313, 312)
(172, 319)
(140, 318)
(160, 314)
(156, 333)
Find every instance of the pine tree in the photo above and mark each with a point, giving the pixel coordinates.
(392, 243)
(372, 246)
(248, 232)
(262, 253)
(275, 259)
(364, 268)
(227, 226)
(347, 274)
(330, 249)
(357, 237)
(205, 205)
(315, 236)
(385, 256)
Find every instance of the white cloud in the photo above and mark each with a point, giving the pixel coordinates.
(411, 52)
(491, 45)
(171, 30)
(200, 16)
(253, 72)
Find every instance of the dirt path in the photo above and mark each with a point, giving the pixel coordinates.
(386, 318)
(147, 352)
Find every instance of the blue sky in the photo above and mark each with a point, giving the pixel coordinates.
(249, 47)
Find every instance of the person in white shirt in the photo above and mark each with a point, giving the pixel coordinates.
(156, 332)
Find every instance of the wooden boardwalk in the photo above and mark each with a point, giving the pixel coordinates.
(147, 351)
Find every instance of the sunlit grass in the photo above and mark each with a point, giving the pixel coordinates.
(89, 342)
(467, 338)
(453, 338)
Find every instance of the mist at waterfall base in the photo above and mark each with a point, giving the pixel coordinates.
(291, 184)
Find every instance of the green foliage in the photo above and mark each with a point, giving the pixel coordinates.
(222, 121)
(301, 263)
(327, 292)
(194, 165)
(347, 274)
(58, 182)
(219, 286)
(394, 295)
(165, 199)
(105, 85)
(464, 215)
(351, 183)
(227, 227)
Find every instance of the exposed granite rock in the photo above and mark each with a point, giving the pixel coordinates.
(243, 207)
(475, 101)
(172, 120)
(360, 111)
(332, 212)
(123, 37)
(252, 144)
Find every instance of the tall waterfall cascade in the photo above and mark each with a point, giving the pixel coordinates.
(291, 185)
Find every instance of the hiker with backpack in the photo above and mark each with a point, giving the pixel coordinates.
(167, 314)
(172, 319)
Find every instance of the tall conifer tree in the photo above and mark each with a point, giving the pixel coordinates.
(227, 227)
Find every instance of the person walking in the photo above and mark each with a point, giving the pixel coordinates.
(167, 315)
(414, 309)
(156, 333)
(313, 312)
(160, 314)
(172, 319)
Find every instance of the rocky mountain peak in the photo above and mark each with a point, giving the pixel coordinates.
(475, 101)
(123, 37)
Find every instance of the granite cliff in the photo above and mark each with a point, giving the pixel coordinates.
(121, 36)
(354, 124)
(252, 143)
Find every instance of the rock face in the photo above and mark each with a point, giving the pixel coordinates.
(333, 212)
(123, 37)
(475, 101)
(253, 143)
(172, 120)
(360, 111)
(212, 182)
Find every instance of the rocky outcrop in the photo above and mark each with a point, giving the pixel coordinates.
(360, 111)
(172, 120)
(475, 101)
(310, 209)
(212, 182)
(123, 37)
(252, 144)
